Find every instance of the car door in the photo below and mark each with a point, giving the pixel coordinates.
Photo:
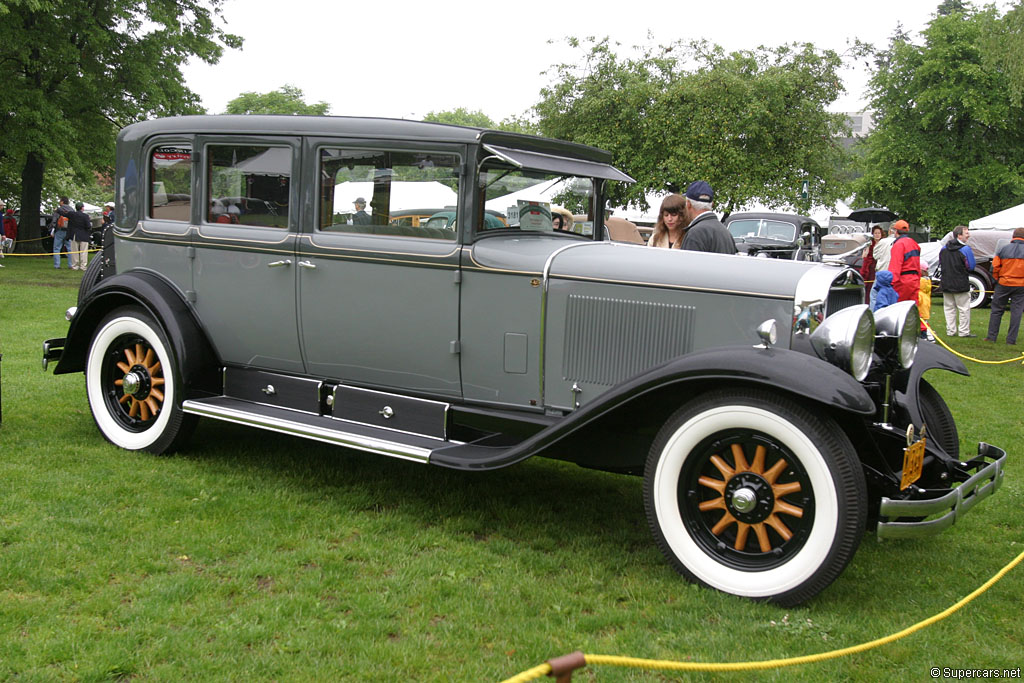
(380, 300)
(244, 250)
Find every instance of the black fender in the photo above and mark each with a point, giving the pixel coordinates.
(160, 299)
(906, 382)
(781, 370)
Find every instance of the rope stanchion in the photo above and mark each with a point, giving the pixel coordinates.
(667, 665)
(938, 339)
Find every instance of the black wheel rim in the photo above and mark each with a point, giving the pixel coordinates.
(133, 382)
(746, 500)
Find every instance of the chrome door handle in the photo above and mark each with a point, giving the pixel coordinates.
(278, 264)
(307, 264)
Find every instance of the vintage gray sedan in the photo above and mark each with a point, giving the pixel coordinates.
(773, 418)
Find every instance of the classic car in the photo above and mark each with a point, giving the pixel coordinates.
(775, 235)
(773, 418)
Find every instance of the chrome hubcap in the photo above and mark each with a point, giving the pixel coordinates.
(131, 384)
(744, 500)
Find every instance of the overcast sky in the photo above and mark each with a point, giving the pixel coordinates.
(405, 59)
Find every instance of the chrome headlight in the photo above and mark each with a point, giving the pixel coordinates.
(847, 339)
(900, 323)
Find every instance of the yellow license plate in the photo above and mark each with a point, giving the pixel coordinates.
(913, 459)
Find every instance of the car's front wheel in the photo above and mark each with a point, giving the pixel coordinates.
(134, 384)
(752, 494)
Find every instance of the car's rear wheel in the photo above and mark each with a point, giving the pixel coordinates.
(93, 273)
(134, 384)
(752, 494)
(979, 288)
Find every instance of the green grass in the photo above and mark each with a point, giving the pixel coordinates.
(256, 556)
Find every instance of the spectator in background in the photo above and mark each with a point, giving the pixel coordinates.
(1008, 270)
(924, 301)
(957, 261)
(882, 293)
(59, 230)
(108, 216)
(668, 230)
(867, 268)
(704, 231)
(905, 263)
(10, 230)
(360, 217)
(79, 228)
(882, 249)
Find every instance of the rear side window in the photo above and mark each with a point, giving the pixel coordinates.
(170, 190)
(391, 193)
(248, 185)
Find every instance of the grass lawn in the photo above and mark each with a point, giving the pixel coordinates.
(257, 556)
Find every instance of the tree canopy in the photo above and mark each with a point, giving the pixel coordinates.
(948, 142)
(73, 72)
(478, 119)
(752, 123)
(287, 99)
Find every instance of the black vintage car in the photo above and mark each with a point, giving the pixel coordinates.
(776, 235)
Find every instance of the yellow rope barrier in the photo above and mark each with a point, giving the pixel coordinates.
(667, 665)
(52, 253)
(975, 360)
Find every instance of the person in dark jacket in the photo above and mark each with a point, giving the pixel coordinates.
(882, 291)
(957, 262)
(704, 232)
(1008, 270)
(59, 230)
(79, 229)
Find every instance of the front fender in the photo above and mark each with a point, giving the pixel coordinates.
(188, 341)
(782, 370)
(906, 382)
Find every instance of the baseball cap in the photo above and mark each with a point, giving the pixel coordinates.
(901, 226)
(700, 191)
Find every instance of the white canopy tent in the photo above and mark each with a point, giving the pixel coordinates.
(404, 195)
(1007, 219)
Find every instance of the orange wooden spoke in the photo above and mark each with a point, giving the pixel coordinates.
(134, 410)
(781, 490)
(157, 394)
(762, 537)
(143, 410)
(723, 523)
(787, 509)
(157, 381)
(150, 357)
(757, 467)
(138, 352)
(712, 483)
(722, 466)
(740, 458)
(776, 523)
(124, 397)
(154, 407)
(742, 530)
(129, 356)
(778, 468)
(713, 504)
(155, 369)
(118, 382)
(123, 367)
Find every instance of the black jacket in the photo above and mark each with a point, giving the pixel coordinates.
(954, 267)
(79, 226)
(707, 233)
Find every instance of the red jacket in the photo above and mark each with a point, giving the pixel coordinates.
(10, 227)
(905, 266)
(1008, 265)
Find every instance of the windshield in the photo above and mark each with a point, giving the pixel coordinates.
(537, 201)
(762, 227)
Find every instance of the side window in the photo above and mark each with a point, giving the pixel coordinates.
(248, 184)
(170, 189)
(398, 193)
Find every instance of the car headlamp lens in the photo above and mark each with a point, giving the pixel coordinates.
(902, 323)
(847, 339)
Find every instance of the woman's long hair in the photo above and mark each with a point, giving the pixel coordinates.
(673, 202)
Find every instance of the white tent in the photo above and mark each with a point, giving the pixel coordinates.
(1007, 219)
(404, 195)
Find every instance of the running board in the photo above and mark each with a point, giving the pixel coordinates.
(318, 427)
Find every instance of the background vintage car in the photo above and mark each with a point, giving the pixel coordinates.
(772, 416)
(775, 235)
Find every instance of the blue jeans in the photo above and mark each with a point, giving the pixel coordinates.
(60, 240)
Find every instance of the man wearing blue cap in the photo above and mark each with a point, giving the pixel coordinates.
(705, 232)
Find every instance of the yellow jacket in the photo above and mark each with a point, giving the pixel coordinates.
(924, 298)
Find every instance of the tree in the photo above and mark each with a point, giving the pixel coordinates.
(287, 99)
(477, 119)
(752, 123)
(948, 143)
(75, 71)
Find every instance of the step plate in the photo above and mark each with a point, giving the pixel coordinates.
(329, 430)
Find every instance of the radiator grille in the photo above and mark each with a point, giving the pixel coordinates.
(609, 340)
(843, 297)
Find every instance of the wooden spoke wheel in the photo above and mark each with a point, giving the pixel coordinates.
(751, 493)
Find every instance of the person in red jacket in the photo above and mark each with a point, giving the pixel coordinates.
(10, 228)
(867, 269)
(1008, 270)
(905, 263)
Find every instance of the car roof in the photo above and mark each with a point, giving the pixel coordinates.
(768, 215)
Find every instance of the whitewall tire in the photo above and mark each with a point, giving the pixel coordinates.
(752, 494)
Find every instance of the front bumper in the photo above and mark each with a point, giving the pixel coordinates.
(949, 504)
